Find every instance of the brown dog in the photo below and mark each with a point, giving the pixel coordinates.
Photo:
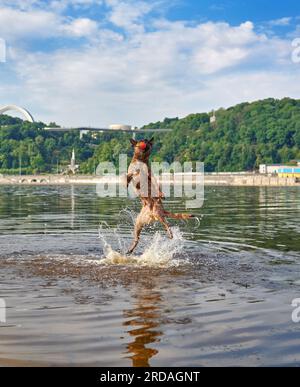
(146, 187)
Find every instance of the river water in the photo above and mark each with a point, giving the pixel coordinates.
(219, 294)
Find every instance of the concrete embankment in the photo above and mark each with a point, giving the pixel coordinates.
(48, 179)
(254, 180)
(214, 179)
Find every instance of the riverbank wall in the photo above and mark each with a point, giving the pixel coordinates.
(210, 179)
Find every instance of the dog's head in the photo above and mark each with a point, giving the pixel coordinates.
(142, 148)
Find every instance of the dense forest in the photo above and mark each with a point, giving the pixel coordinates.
(242, 137)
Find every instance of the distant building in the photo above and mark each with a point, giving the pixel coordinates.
(120, 127)
(85, 132)
(213, 118)
(289, 172)
(271, 169)
(73, 167)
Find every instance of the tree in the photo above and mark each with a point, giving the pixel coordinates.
(243, 136)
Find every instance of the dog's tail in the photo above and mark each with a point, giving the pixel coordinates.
(178, 216)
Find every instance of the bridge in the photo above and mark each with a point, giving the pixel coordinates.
(112, 128)
(24, 112)
(83, 130)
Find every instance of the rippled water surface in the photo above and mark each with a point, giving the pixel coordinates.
(220, 293)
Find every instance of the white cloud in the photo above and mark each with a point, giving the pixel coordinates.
(58, 5)
(170, 69)
(63, 5)
(19, 24)
(82, 27)
(20, 4)
(22, 25)
(284, 21)
(128, 14)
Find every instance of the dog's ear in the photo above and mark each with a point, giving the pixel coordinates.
(151, 141)
(133, 142)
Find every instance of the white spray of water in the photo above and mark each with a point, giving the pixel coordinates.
(160, 251)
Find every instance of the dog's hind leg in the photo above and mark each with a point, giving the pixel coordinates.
(137, 232)
(163, 221)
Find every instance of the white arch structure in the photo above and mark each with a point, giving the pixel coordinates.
(26, 114)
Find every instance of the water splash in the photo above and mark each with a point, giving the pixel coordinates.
(160, 250)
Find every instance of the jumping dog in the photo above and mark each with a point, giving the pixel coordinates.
(148, 190)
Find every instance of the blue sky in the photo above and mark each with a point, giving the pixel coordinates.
(233, 11)
(96, 62)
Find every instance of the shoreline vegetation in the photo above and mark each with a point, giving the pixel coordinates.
(239, 138)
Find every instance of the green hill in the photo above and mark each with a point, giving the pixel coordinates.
(243, 137)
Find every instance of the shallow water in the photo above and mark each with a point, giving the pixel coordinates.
(220, 293)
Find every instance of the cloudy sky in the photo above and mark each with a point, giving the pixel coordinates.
(96, 62)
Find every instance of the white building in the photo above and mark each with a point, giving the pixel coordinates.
(271, 169)
(73, 167)
(213, 118)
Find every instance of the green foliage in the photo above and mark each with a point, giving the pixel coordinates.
(244, 136)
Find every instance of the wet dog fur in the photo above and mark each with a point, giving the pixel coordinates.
(148, 190)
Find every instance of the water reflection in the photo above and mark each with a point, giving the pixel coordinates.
(228, 299)
(72, 207)
(142, 323)
(263, 217)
